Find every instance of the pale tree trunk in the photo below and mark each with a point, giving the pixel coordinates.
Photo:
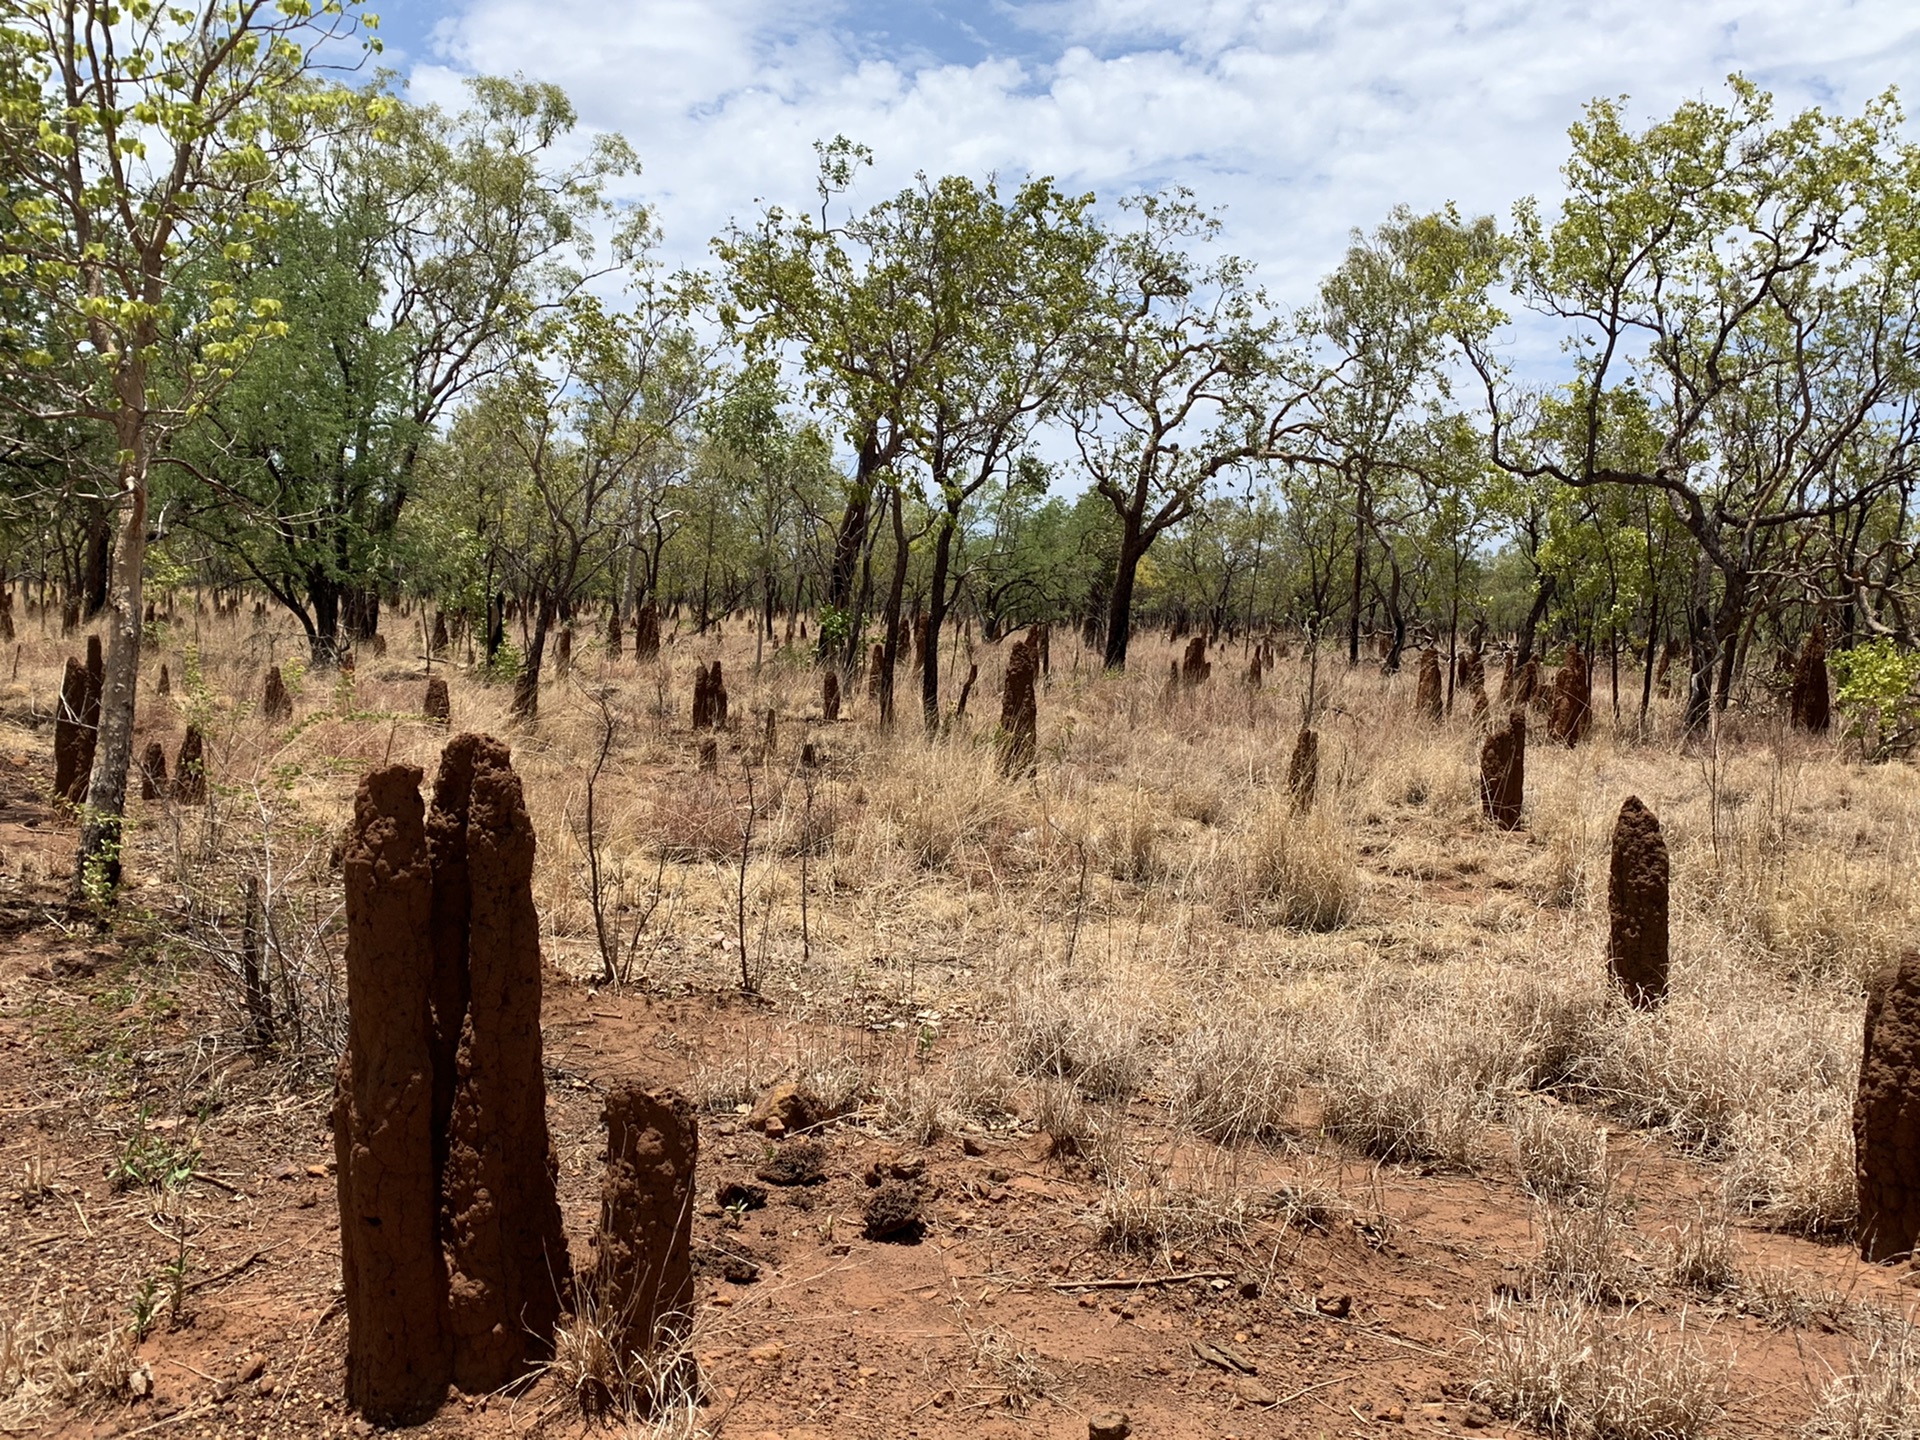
(96, 871)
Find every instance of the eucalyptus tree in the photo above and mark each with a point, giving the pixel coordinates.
(1386, 324)
(1758, 282)
(1005, 287)
(835, 294)
(415, 249)
(550, 447)
(1184, 374)
(146, 139)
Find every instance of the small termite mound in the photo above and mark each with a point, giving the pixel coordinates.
(643, 1250)
(1637, 906)
(276, 704)
(1886, 1115)
(1503, 772)
(1019, 715)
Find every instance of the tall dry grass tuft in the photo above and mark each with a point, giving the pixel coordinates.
(1294, 870)
(1573, 1369)
(1877, 1397)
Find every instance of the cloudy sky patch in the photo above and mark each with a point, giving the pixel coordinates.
(1303, 120)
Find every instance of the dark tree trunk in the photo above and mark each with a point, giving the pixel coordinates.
(937, 618)
(1126, 565)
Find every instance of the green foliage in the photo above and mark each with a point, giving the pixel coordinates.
(152, 1159)
(1877, 690)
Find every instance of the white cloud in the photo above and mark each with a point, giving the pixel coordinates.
(1303, 119)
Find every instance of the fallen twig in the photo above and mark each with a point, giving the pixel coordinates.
(1135, 1284)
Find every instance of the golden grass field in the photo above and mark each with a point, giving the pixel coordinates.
(1211, 1025)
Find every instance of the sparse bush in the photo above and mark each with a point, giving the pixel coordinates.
(1233, 1076)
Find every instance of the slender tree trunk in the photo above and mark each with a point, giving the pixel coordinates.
(526, 686)
(1542, 597)
(1653, 646)
(896, 592)
(937, 617)
(1361, 501)
(96, 871)
(1126, 565)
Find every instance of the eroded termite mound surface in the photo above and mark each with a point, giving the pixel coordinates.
(643, 1264)
(442, 1086)
(1503, 772)
(1886, 1115)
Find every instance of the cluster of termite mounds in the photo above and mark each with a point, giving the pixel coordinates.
(455, 1264)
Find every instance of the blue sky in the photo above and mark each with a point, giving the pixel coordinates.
(1303, 120)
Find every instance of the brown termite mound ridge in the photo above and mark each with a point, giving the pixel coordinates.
(1503, 772)
(876, 662)
(276, 704)
(830, 694)
(190, 768)
(153, 772)
(1570, 711)
(165, 687)
(69, 777)
(1886, 1115)
(1637, 906)
(1194, 665)
(1526, 683)
(438, 704)
(399, 1354)
(506, 1250)
(646, 631)
(441, 1110)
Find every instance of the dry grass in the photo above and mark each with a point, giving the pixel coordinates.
(1878, 1395)
(1573, 1369)
(1146, 916)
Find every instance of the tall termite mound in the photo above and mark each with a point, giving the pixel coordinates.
(441, 1108)
(830, 694)
(1808, 702)
(1886, 1115)
(709, 698)
(1303, 767)
(1427, 700)
(153, 772)
(1570, 711)
(1194, 665)
(276, 704)
(165, 687)
(399, 1354)
(1503, 772)
(190, 768)
(643, 1261)
(646, 632)
(1637, 906)
(438, 704)
(563, 652)
(69, 778)
(504, 1242)
(1019, 714)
